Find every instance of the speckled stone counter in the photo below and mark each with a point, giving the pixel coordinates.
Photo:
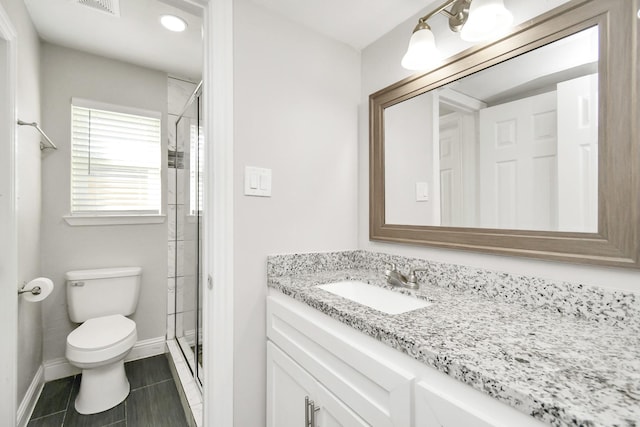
(567, 354)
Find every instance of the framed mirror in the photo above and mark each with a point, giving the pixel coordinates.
(524, 146)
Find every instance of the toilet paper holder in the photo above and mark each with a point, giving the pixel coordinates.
(36, 290)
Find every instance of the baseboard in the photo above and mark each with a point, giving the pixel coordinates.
(30, 398)
(61, 368)
(58, 368)
(147, 348)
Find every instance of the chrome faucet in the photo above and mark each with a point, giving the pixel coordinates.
(396, 278)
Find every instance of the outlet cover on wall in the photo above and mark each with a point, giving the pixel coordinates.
(257, 181)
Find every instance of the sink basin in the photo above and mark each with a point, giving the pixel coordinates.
(381, 299)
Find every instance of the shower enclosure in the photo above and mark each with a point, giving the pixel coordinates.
(189, 233)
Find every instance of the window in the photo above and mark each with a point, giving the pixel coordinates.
(115, 160)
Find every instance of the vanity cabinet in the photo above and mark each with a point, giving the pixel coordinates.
(355, 380)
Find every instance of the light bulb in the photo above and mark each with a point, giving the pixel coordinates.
(487, 20)
(422, 53)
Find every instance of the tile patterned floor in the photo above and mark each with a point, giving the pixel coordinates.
(152, 402)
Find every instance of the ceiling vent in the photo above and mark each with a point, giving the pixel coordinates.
(110, 7)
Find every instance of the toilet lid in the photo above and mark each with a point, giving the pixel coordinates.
(101, 332)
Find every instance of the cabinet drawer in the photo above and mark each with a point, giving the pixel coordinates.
(438, 410)
(342, 360)
(441, 401)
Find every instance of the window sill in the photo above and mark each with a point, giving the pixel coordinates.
(87, 220)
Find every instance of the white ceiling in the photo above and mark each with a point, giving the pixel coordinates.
(137, 37)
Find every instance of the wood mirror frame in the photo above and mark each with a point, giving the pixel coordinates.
(617, 241)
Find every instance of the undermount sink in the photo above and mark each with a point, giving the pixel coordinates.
(381, 299)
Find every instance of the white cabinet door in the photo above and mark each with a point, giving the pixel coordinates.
(288, 384)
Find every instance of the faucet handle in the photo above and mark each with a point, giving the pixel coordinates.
(392, 265)
(392, 268)
(412, 279)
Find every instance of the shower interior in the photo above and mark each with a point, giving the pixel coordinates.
(187, 232)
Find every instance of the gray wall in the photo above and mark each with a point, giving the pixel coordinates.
(380, 68)
(69, 73)
(28, 192)
(296, 95)
(408, 153)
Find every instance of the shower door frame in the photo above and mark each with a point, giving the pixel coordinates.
(191, 356)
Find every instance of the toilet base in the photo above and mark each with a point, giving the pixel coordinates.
(102, 388)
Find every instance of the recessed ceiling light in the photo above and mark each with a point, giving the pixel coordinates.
(173, 23)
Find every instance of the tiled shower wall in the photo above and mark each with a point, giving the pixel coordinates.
(179, 92)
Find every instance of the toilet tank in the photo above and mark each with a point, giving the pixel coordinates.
(102, 292)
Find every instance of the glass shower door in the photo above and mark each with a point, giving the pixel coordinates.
(188, 327)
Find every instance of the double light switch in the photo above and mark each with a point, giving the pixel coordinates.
(257, 181)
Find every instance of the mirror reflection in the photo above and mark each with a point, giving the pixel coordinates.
(514, 146)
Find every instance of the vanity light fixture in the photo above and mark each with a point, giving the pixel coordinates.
(475, 20)
(173, 23)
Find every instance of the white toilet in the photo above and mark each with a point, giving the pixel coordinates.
(100, 299)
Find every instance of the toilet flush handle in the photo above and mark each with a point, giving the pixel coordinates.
(77, 283)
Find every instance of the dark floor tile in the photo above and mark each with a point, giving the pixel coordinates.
(106, 418)
(120, 424)
(54, 397)
(54, 420)
(157, 405)
(148, 371)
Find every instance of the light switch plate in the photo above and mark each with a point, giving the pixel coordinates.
(422, 191)
(257, 181)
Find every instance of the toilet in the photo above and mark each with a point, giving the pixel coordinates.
(100, 299)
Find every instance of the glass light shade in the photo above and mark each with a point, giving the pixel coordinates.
(487, 20)
(173, 23)
(422, 53)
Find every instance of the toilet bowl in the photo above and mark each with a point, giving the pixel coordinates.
(99, 300)
(99, 347)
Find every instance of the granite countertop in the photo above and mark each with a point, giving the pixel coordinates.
(559, 369)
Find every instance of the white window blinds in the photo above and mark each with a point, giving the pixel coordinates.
(115, 160)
